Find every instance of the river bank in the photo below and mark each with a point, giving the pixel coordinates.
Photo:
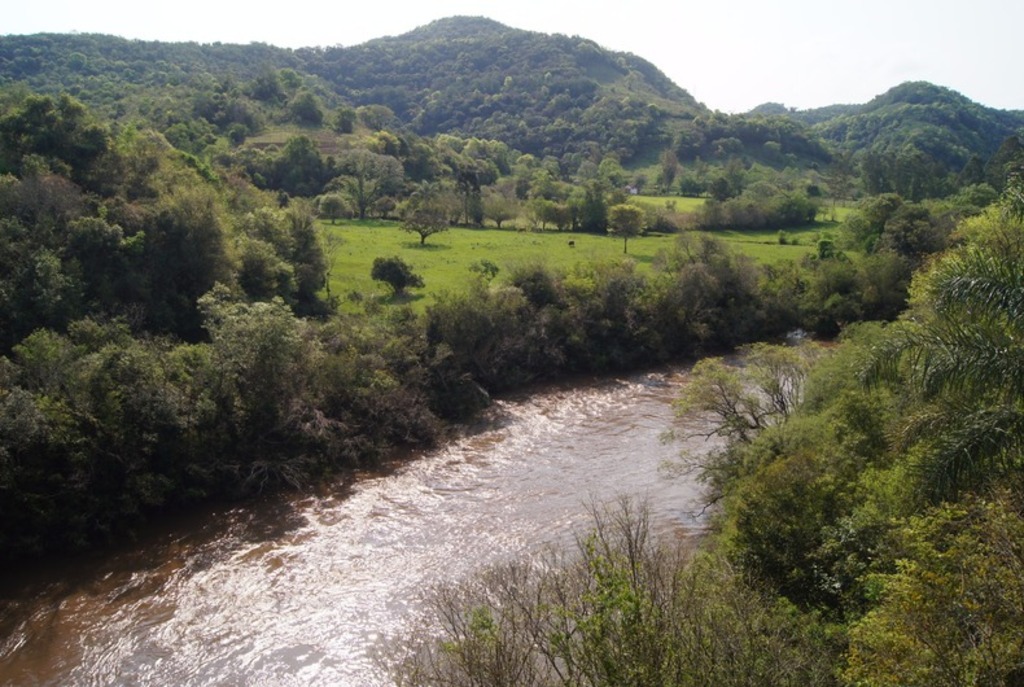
(301, 589)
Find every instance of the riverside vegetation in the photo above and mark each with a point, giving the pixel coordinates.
(179, 323)
(168, 338)
(867, 531)
(169, 332)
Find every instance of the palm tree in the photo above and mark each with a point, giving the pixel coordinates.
(961, 357)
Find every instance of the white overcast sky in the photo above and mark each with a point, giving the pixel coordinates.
(729, 54)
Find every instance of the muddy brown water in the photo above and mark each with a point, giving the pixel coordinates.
(304, 589)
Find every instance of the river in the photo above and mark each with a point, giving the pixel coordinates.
(303, 589)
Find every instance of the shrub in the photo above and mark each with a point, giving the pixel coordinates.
(396, 273)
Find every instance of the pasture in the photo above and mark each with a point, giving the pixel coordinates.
(679, 203)
(445, 261)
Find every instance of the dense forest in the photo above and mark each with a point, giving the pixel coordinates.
(168, 335)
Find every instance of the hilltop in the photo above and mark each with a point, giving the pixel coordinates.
(557, 96)
(917, 139)
(541, 94)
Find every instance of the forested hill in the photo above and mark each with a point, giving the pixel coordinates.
(937, 121)
(548, 95)
(106, 72)
(541, 94)
(923, 104)
(914, 136)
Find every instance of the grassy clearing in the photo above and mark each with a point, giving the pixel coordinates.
(682, 203)
(444, 262)
(327, 142)
(806, 236)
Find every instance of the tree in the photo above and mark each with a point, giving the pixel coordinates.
(623, 609)
(187, 253)
(626, 221)
(396, 273)
(267, 86)
(305, 109)
(61, 132)
(1013, 197)
(742, 402)
(307, 255)
(669, 170)
(428, 212)
(952, 612)
(345, 120)
(973, 172)
(105, 258)
(720, 189)
(367, 177)
(864, 227)
(962, 360)
(541, 211)
(333, 206)
(35, 290)
(262, 273)
(1009, 157)
(467, 179)
(839, 177)
(610, 170)
(593, 210)
(913, 233)
(543, 184)
(264, 354)
(299, 170)
(376, 117)
(485, 268)
(499, 207)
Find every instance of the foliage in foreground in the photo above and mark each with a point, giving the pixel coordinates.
(622, 609)
(963, 357)
(951, 614)
(869, 528)
(890, 500)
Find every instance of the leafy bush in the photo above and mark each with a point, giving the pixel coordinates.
(622, 610)
(396, 273)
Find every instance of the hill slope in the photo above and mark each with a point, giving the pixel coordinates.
(549, 95)
(917, 139)
(937, 121)
(542, 94)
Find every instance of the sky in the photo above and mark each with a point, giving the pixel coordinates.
(732, 55)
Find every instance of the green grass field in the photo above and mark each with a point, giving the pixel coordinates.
(444, 262)
(682, 203)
